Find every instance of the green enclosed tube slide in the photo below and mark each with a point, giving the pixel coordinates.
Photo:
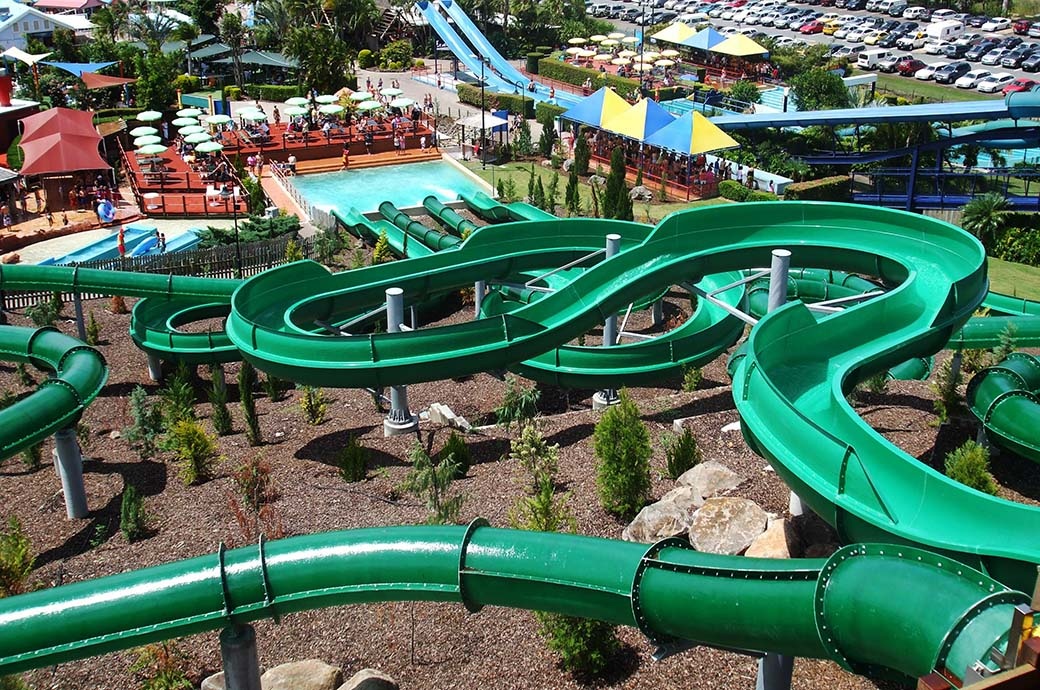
(1004, 400)
(832, 609)
(398, 239)
(448, 216)
(431, 238)
(77, 374)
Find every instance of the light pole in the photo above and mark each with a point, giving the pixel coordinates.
(483, 107)
(229, 193)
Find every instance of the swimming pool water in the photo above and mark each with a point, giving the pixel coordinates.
(402, 185)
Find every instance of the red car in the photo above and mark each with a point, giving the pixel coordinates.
(909, 67)
(1021, 84)
(813, 27)
(741, 3)
(1021, 26)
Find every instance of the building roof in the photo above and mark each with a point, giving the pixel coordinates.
(11, 12)
(75, 5)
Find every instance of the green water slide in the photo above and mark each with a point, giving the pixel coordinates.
(831, 609)
(486, 207)
(431, 238)
(398, 239)
(1004, 400)
(448, 216)
(519, 210)
(77, 373)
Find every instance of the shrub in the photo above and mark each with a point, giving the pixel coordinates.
(24, 377)
(733, 190)
(522, 144)
(519, 404)
(42, 313)
(195, 450)
(585, 646)
(517, 104)
(274, 92)
(825, 189)
(274, 387)
(543, 511)
(366, 58)
(455, 450)
(133, 520)
(145, 424)
(293, 252)
(431, 484)
(582, 153)
(1007, 344)
(221, 416)
(876, 383)
(534, 454)
(232, 93)
(622, 447)
(93, 330)
(382, 253)
(252, 480)
(352, 461)
(616, 201)
(315, 405)
(117, 305)
(396, 53)
(16, 559)
(327, 244)
(969, 465)
(246, 384)
(546, 142)
(32, 457)
(178, 397)
(745, 91)
(756, 195)
(186, 84)
(681, 453)
(691, 378)
(945, 387)
(160, 667)
(546, 114)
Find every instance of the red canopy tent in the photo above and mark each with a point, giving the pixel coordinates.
(60, 140)
(93, 80)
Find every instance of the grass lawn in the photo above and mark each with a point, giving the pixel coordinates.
(915, 88)
(1014, 279)
(519, 173)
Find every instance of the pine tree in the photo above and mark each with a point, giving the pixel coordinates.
(530, 186)
(594, 211)
(622, 446)
(570, 195)
(639, 177)
(381, 252)
(582, 154)
(539, 194)
(552, 196)
(616, 202)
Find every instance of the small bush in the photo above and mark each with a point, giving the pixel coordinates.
(826, 189)
(93, 330)
(315, 405)
(1007, 343)
(877, 383)
(974, 360)
(246, 384)
(83, 435)
(681, 453)
(161, 667)
(32, 457)
(274, 387)
(969, 465)
(178, 397)
(24, 376)
(534, 454)
(543, 511)
(520, 403)
(293, 251)
(455, 450)
(622, 447)
(196, 451)
(221, 415)
(366, 58)
(253, 482)
(382, 252)
(133, 520)
(117, 305)
(42, 313)
(431, 484)
(945, 386)
(692, 378)
(733, 190)
(16, 559)
(146, 424)
(585, 646)
(352, 461)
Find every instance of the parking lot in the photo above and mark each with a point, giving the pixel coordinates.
(729, 17)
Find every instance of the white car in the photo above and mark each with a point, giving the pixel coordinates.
(971, 79)
(942, 15)
(995, 82)
(935, 47)
(994, 56)
(997, 24)
(916, 12)
(928, 71)
(856, 35)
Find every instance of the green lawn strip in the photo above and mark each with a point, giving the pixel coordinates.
(913, 88)
(1010, 278)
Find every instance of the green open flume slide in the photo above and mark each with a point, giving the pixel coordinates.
(892, 606)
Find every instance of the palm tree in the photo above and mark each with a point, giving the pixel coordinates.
(187, 32)
(984, 216)
(272, 23)
(233, 33)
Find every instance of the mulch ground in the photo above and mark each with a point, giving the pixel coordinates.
(424, 646)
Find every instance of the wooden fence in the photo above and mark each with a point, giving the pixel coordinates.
(218, 262)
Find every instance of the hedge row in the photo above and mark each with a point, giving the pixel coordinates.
(112, 113)
(552, 68)
(825, 189)
(514, 103)
(734, 191)
(545, 113)
(270, 92)
(1018, 244)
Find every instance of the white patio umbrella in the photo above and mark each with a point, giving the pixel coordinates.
(149, 116)
(189, 112)
(602, 56)
(390, 92)
(487, 121)
(147, 139)
(642, 66)
(143, 131)
(609, 43)
(296, 100)
(253, 116)
(651, 55)
(669, 53)
(184, 122)
(621, 61)
(327, 98)
(151, 150)
(402, 102)
(630, 39)
(664, 63)
(577, 41)
(330, 108)
(295, 110)
(597, 38)
(627, 53)
(209, 146)
(191, 129)
(217, 119)
(574, 50)
(370, 105)
(197, 138)
(586, 53)
(616, 34)
(361, 96)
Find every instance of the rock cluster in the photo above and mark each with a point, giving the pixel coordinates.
(312, 674)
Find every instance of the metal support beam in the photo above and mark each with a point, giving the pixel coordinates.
(81, 326)
(779, 271)
(774, 672)
(608, 396)
(479, 290)
(154, 367)
(238, 655)
(70, 469)
(400, 420)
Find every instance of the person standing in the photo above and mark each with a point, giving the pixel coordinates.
(346, 155)
(120, 240)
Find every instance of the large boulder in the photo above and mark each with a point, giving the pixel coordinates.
(214, 682)
(369, 679)
(709, 479)
(778, 541)
(310, 674)
(598, 180)
(641, 193)
(568, 164)
(727, 525)
(667, 518)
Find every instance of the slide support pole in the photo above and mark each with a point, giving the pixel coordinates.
(479, 290)
(154, 367)
(81, 326)
(779, 269)
(70, 468)
(400, 420)
(238, 655)
(658, 312)
(608, 396)
(774, 672)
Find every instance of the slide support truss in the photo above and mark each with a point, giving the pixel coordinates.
(609, 396)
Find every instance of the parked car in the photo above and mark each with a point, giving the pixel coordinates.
(997, 24)
(942, 15)
(971, 79)
(908, 68)
(977, 21)
(813, 27)
(969, 38)
(1021, 26)
(1031, 63)
(856, 5)
(994, 56)
(976, 52)
(1018, 55)
(889, 41)
(848, 51)
(892, 62)
(1034, 30)
(912, 41)
(1010, 42)
(927, 72)
(874, 36)
(951, 72)
(995, 82)
(917, 12)
(1020, 84)
(954, 51)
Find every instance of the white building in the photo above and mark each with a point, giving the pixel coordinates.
(18, 22)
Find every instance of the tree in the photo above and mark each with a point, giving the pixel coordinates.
(430, 484)
(187, 32)
(616, 202)
(322, 54)
(205, 14)
(273, 22)
(745, 91)
(582, 154)
(622, 447)
(571, 198)
(157, 70)
(232, 32)
(794, 61)
(819, 89)
(984, 216)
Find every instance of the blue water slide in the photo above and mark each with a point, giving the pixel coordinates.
(484, 47)
(180, 243)
(466, 55)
